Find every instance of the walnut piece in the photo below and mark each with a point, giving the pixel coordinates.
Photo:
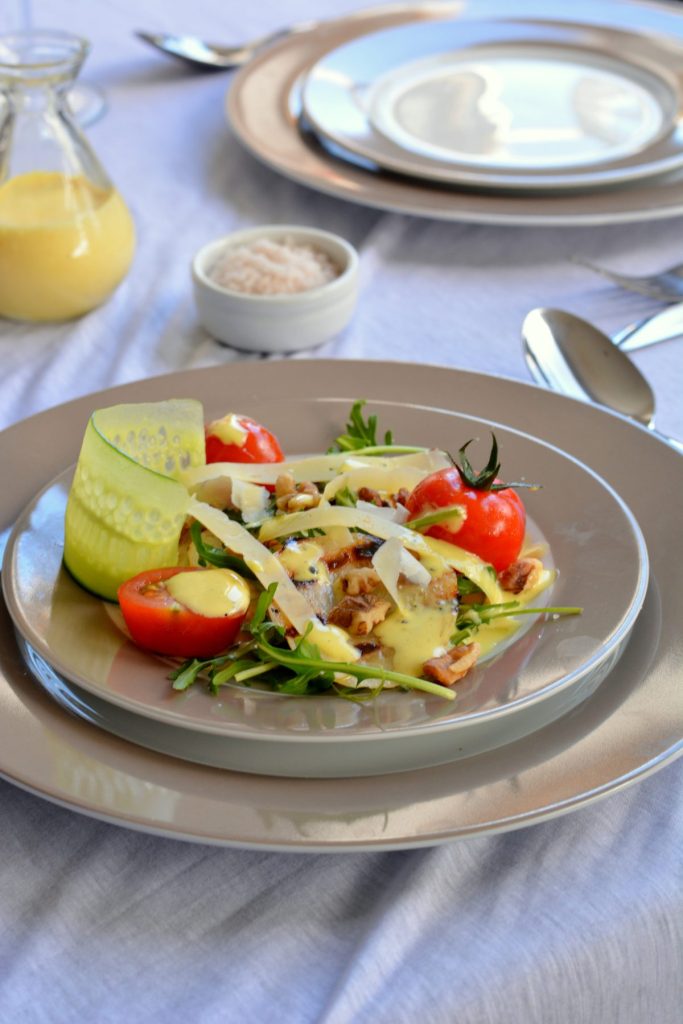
(521, 575)
(358, 579)
(450, 667)
(359, 613)
(292, 497)
(442, 588)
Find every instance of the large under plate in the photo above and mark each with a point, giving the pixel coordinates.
(629, 727)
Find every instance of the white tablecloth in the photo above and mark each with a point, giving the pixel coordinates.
(574, 920)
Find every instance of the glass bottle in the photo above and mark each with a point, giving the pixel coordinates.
(66, 236)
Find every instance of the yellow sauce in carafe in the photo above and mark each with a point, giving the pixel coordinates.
(64, 245)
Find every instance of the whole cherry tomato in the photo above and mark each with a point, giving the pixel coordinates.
(495, 520)
(237, 438)
(158, 621)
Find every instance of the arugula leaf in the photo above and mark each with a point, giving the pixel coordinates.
(359, 432)
(471, 616)
(209, 555)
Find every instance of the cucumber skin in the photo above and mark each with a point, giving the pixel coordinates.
(102, 559)
(121, 517)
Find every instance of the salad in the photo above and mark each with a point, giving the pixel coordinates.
(373, 565)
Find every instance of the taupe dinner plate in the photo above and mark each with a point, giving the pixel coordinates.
(264, 107)
(628, 728)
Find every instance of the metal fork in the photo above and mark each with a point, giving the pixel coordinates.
(667, 286)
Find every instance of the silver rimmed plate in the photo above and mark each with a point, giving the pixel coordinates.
(504, 104)
(594, 542)
(630, 727)
(264, 109)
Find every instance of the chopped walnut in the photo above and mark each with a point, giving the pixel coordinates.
(358, 579)
(359, 614)
(450, 667)
(521, 575)
(292, 497)
(442, 588)
(372, 496)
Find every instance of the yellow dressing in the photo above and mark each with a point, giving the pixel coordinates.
(416, 633)
(229, 430)
(64, 245)
(302, 560)
(214, 593)
(332, 642)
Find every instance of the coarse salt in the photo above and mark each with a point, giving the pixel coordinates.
(270, 267)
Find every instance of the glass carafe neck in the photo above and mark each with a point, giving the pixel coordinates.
(34, 62)
(37, 130)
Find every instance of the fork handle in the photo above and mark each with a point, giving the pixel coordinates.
(665, 325)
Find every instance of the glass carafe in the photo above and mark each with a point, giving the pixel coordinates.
(66, 236)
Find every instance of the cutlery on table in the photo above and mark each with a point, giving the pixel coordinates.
(211, 56)
(666, 325)
(572, 356)
(667, 286)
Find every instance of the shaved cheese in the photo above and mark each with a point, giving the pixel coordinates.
(387, 480)
(325, 516)
(250, 499)
(317, 468)
(394, 515)
(391, 560)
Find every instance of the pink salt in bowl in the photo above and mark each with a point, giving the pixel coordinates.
(276, 288)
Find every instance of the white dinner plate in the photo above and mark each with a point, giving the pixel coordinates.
(631, 726)
(504, 104)
(264, 108)
(594, 543)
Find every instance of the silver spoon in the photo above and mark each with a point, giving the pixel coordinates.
(572, 356)
(211, 56)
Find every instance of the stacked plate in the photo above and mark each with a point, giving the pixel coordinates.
(559, 709)
(476, 119)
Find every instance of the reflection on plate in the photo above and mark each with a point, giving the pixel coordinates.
(630, 727)
(594, 542)
(503, 104)
(264, 107)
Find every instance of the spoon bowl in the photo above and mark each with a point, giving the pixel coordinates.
(573, 357)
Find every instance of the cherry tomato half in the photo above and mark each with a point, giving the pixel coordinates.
(259, 445)
(158, 621)
(496, 520)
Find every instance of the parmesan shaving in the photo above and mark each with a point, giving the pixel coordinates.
(387, 480)
(316, 468)
(250, 499)
(394, 515)
(391, 560)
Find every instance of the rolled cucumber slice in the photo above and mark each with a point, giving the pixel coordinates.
(126, 506)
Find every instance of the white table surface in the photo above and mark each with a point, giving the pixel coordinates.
(574, 920)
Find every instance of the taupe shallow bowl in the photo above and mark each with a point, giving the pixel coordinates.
(631, 726)
(594, 542)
